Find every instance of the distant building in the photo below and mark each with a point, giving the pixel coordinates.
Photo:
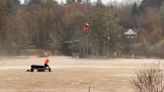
(130, 33)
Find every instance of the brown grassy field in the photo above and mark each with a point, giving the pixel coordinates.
(70, 75)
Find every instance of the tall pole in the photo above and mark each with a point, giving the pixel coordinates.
(108, 38)
(86, 45)
(85, 42)
(85, 30)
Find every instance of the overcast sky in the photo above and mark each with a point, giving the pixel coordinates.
(104, 1)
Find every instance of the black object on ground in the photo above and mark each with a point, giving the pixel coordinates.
(39, 68)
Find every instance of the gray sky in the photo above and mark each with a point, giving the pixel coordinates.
(104, 1)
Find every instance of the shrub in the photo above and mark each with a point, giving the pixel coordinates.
(148, 79)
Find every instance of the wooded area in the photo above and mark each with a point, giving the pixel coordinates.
(48, 25)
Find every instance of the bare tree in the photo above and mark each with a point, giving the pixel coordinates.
(149, 79)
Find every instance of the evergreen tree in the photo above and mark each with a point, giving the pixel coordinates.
(12, 5)
(3, 14)
(135, 9)
(34, 1)
(135, 14)
(105, 32)
(88, 2)
(70, 2)
(3, 18)
(99, 4)
(150, 3)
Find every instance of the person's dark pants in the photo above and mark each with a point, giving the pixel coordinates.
(46, 65)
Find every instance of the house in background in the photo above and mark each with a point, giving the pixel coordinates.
(130, 33)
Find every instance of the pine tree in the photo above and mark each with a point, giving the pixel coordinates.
(70, 2)
(135, 13)
(12, 5)
(99, 3)
(88, 2)
(3, 17)
(104, 30)
(3, 13)
(149, 3)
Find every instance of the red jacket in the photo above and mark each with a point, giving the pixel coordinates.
(46, 61)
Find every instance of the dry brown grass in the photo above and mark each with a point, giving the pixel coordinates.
(149, 79)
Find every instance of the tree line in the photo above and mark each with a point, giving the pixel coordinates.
(48, 25)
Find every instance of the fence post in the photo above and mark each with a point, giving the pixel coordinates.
(89, 89)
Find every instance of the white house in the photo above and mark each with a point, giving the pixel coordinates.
(130, 34)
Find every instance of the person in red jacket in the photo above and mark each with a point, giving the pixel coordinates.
(46, 62)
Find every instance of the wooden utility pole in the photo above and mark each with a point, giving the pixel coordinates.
(108, 38)
(85, 30)
(86, 47)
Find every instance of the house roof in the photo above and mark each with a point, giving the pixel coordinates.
(130, 32)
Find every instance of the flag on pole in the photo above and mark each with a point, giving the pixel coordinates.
(86, 27)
